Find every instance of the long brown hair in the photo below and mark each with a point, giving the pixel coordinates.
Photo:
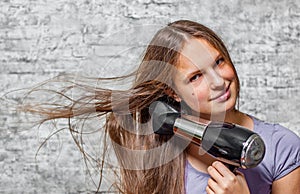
(149, 163)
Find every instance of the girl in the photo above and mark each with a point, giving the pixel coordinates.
(187, 65)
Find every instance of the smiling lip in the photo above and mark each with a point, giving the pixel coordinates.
(224, 96)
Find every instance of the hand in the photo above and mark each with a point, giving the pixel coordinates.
(223, 181)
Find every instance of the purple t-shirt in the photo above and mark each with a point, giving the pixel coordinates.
(282, 156)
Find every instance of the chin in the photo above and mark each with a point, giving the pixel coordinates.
(220, 113)
(214, 110)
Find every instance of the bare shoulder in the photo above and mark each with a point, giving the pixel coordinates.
(288, 184)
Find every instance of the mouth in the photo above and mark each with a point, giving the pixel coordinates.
(223, 96)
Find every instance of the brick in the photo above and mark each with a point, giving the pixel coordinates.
(42, 39)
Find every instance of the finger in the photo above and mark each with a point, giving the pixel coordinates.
(241, 178)
(226, 178)
(209, 190)
(222, 169)
(213, 185)
(239, 173)
(215, 175)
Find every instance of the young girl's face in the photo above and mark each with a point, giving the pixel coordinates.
(204, 80)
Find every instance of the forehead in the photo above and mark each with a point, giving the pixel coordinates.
(197, 53)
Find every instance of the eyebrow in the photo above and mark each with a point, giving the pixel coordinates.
(190, 75)
(199, 70)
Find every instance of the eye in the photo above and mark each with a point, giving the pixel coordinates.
(195, 77)
(219, 61)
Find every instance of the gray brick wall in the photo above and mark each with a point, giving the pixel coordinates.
(40, 39)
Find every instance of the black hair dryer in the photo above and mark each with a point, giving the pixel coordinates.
(232, 144)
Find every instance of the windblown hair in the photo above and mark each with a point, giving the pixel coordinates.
(149, 163)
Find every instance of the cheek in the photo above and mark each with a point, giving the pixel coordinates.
(197, 96)
(228, 73)
(188, 94)
(201, 94)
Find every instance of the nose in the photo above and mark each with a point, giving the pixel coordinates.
(215, 80)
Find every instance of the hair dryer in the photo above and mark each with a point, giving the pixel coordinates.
(230, 143)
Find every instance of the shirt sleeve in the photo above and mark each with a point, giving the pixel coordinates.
(286, 145)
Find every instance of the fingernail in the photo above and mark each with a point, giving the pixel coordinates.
(215, 163)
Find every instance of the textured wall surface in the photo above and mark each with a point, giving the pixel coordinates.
(40, 39)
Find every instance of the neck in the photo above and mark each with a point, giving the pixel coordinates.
(231, 116)
(237, 117)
